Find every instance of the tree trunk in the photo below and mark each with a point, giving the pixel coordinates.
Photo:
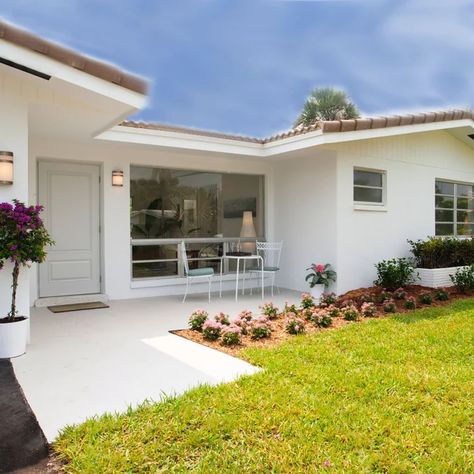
(15, 273)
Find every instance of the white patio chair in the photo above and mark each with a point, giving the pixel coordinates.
(194, 274)
(270, 253)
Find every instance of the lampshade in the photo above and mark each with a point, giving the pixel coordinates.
(6, 167)
(248, 230)
(117, 178)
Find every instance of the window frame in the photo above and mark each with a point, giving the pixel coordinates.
(383, 188)
(454, 209)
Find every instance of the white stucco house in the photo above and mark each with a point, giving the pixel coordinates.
(347, 192)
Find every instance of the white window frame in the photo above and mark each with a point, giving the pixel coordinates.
(383, 187)
(454, 209)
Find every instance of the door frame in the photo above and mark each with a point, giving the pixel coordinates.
(100, 167)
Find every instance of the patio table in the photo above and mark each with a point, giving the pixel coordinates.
(238, 258)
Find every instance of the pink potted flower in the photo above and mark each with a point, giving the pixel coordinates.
(319, 277)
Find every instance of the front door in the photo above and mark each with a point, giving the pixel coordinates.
(70, 196)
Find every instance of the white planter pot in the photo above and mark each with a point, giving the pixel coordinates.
(13, 337)
(317, 291)
(436, 277)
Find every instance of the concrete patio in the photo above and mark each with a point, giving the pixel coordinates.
(87, 363)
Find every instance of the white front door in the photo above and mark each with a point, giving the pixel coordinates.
(70, 196)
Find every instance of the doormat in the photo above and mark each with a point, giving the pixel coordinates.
(66, 308)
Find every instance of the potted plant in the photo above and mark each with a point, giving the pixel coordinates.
(319, 278)
(23, 239)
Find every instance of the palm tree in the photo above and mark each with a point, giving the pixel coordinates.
(326, 103)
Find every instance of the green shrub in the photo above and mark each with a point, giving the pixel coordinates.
(400, 294)
(441, 295)
(389, 306)
(410, 303)
(294, 324)
(426, 298)
(394, 273)
(350, 313)
(463, 279)
(442, 253)
(231, 335)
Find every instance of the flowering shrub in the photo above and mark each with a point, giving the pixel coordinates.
(426, 298)
(222, 318)
(197, 319)
(243, 324)
(321, 318)
(333, 311)
(231, 335)
(320, 274)
(389, 306)
(211, 330)
(410, 303)
(400, 294)
(463, 279)
(308, 313)
(350, 313)
(367, 298)
(441, 295)
(290, 308)
(382, 296)
(294, 324)
(269, 310)
(245, 315)
(307, 301)
(260, 328)
(369, 310)
(23, 239)
(328, 298)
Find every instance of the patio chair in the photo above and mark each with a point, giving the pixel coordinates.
(270, 253)
(194, 274)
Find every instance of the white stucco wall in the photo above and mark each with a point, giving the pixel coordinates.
(116, 258)
(412, 164)
(305, 213)
(14, 138)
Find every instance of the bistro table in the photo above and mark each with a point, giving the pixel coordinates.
(238, 256)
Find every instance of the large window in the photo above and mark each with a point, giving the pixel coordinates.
(186, 204)
(454, 212)
(369, 187)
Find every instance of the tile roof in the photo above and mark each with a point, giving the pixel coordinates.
(67, 56)
(325, 126)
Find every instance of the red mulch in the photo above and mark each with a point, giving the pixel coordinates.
(279, 333)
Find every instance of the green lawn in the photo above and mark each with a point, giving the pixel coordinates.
(392, 395)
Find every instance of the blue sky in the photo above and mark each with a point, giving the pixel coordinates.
(246, 66)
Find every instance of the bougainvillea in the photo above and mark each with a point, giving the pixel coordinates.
(23, 239)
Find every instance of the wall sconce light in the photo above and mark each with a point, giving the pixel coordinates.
(117, 178)
(6, 167)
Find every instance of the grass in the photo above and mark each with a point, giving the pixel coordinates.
(392, 395)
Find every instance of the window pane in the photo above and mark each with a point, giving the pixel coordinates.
(155, 269)
(465, 216)
(443, 187)
(444, 229)
(204, 255)
(464, 190)
(465, 203)
(167, 203)
(466, 229)
(445, 202)
(444, 216)
(154, 252)
(368, 178)
(367, 195)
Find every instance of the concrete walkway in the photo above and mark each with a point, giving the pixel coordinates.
(87, 363)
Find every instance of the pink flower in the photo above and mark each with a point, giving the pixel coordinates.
(320, 268)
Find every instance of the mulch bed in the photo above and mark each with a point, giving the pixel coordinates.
(279, 333)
